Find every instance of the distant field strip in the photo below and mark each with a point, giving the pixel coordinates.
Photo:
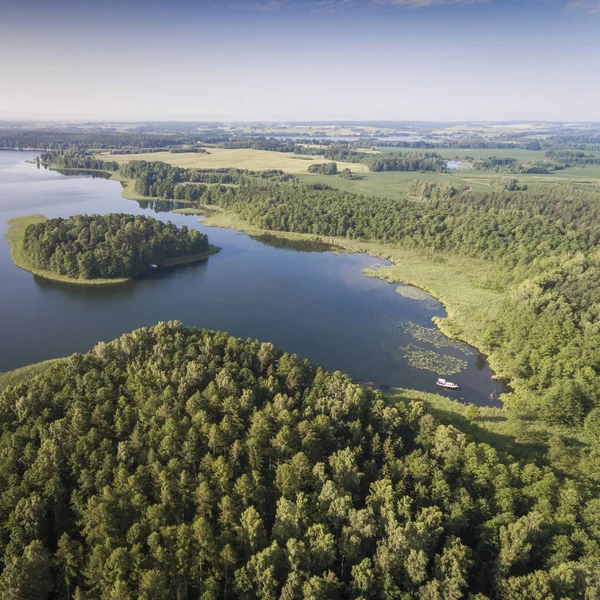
(254, 160)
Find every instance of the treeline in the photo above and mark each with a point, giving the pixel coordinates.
(572, 158)
(329, 168)
(160, 180)
(64, 140)
(512, 165)
(76, 160)
(107, 246)
(259, 143)
(412, 161)
(555, 160)
(178, 463)
(340, 152)
(526, 230)
(462, 142)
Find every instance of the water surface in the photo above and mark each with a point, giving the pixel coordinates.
(305, 298)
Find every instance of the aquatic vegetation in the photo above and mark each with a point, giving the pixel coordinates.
(430, 360)
(414, 293)
(433, 336)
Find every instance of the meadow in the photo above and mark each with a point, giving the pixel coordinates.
(393, 184)
(246, 158)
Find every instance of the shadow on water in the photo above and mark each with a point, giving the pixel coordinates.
(84, 173)
(161, 206)
(115, 290)
(306, 297)
(295, 245)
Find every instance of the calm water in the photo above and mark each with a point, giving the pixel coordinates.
(315, 303)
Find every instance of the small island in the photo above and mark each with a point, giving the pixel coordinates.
(96, 249)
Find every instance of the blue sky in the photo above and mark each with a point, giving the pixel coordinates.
(300, 60)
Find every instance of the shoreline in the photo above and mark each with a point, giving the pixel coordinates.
(451, 326)
(468, 303)
(16, 232)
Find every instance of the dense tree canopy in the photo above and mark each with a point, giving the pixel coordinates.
(329, 168)
(178, 463)
(411, 161)
(107, 246)
(546, 335)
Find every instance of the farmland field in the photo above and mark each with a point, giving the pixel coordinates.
(254, 160)
(393, 184)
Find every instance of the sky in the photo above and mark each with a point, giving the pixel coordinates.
(278, 60)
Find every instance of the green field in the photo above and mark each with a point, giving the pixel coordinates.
(247, 158)
(393, 184)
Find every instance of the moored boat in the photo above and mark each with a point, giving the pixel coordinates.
(447, 385)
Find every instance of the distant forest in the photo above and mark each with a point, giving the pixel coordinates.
(107, 246)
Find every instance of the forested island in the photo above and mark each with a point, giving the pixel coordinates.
(183, 463)
(92, 248)
(538, 337)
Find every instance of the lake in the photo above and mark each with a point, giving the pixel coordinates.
(306, 298)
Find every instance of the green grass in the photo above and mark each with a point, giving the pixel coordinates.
(392, 184)
(15, 235)
(25, 373)
(128, 192)
(470, 289)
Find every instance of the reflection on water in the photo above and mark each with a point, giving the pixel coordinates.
(296, 245)
(161, 206)
(84, 173)
(302, 296)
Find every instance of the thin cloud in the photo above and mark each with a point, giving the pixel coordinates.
(340, 5)
(425, 3)
(590, 6)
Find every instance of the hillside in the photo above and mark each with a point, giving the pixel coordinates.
(178, 463)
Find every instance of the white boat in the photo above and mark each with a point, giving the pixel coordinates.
(447, 385)
(154, 266)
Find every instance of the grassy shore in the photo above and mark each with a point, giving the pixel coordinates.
(524, 440)
(470, 289)
(25, 373)
(15, 236)
(16, 233)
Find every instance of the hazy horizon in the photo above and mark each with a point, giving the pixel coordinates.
(282, 60)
